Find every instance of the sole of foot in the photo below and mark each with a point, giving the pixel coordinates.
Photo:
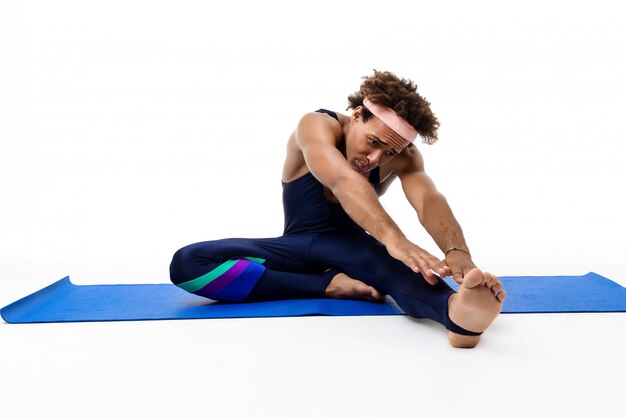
(475, 306)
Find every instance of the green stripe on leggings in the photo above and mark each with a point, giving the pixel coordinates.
(256, 260)
(200, 282)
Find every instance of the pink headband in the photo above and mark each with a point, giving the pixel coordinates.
(392, 120)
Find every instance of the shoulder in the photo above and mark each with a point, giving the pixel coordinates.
(317, 125)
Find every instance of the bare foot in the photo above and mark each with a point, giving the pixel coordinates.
(343, 286)
(475, 306)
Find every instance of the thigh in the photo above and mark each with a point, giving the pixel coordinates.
(287, 253)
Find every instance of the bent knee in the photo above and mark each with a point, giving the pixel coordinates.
(185, 264)
(179, 260)
(228, 281)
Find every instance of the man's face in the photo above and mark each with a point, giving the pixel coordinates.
(371, 144)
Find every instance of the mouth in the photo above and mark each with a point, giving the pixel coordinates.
(363, 168)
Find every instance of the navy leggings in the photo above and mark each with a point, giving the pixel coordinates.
(301, 266)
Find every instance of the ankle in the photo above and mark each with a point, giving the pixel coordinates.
(334, 286)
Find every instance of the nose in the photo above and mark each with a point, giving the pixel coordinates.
(374, 157)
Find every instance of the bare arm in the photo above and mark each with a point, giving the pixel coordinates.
(436, 216)
(317, 140)
(329, 166)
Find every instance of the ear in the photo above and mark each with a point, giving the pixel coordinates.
(356, 114)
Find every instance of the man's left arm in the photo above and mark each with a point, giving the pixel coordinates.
(435, 215)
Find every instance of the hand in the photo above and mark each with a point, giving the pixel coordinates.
(418, 260)
(459, 264)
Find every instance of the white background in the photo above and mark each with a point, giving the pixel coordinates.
(129, 129)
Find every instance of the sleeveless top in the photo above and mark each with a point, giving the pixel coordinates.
(307, 210)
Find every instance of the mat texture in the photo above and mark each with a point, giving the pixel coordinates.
(64, 301)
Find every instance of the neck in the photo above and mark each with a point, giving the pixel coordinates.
(345, 128)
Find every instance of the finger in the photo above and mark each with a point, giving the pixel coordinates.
(438, 266)
(431, 280)
(442, 270)
(426, 272)
(429, 276)
(425, 257)
(410, 262)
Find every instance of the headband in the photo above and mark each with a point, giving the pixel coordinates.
(390, 118)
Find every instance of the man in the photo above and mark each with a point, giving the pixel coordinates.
(338, 240)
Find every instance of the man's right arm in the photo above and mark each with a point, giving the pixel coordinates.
(317, 141)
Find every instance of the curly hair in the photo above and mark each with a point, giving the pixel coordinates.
(386, 89)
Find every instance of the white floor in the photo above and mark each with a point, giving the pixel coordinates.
(527, 365)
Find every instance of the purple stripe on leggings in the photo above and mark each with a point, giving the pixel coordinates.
(237, 290)
(216, 285)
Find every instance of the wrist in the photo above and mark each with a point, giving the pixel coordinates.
(392, 238)
(458, 249)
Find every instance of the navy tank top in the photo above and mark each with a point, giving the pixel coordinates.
(307, 209)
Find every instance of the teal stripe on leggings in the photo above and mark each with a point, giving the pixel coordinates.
(200, 282)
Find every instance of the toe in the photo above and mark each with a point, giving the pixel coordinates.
(473, 278)
(496, 287)
(501, 295)
(490, 279)
(376, 295)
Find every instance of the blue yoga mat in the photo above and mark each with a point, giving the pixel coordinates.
(64, 301)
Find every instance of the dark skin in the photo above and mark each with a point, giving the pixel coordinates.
(341, 154)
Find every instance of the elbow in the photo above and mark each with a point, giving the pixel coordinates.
(344, 183)
(338, 183)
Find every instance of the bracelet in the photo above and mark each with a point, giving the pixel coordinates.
(457, 249)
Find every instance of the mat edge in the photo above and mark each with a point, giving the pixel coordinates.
(5, 312)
